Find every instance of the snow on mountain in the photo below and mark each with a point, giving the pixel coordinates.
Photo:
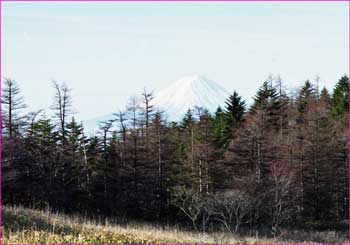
(189, 92)
(175, 100)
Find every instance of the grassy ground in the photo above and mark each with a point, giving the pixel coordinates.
(22, 225)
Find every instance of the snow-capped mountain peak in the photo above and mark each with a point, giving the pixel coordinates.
(185, 93)
(189, 92)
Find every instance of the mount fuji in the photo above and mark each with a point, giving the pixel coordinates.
(190, 92)
(175, 100)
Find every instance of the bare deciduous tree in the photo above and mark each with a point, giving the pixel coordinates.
(282, 180)
(62, 106)
(148, 109)
(232, 207)
(189, 202)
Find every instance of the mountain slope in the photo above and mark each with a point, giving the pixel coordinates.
(189, 92)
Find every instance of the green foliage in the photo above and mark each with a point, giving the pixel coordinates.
(340, 97)
(307, 95)
(265, 97)
(43, 133)
(234, 111)
(75, 135)
(220, 127)
(188, 119)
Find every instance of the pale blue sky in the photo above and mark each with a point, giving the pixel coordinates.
(109, 51)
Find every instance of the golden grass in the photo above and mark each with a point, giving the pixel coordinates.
(21, 225)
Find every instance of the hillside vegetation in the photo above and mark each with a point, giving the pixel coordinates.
(277, 168)
(21, 225)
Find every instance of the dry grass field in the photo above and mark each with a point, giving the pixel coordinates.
(21, 225)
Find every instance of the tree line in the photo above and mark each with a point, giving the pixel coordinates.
(278, 163)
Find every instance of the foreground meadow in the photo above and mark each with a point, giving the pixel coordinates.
(21, 225)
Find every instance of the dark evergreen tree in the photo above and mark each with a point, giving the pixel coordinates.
(340, 97)
(307, 95)
(265, 97)
(234, 111)
(42, 148)
(220, 127)
(188, 119)
(75, 158)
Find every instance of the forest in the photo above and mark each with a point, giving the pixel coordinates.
(279, 163)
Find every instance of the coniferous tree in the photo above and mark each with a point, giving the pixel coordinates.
(188, 119)
(219, 127)
(340, 145)
(75, 157)
(94, 159)
(105, 171)
(41, 148)
(340, 97)
(12, 103)
(305, 141)
(265, 97)
(234, 111)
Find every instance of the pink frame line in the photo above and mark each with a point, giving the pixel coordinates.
(175, 1)
(348, 130)
(1, 123)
